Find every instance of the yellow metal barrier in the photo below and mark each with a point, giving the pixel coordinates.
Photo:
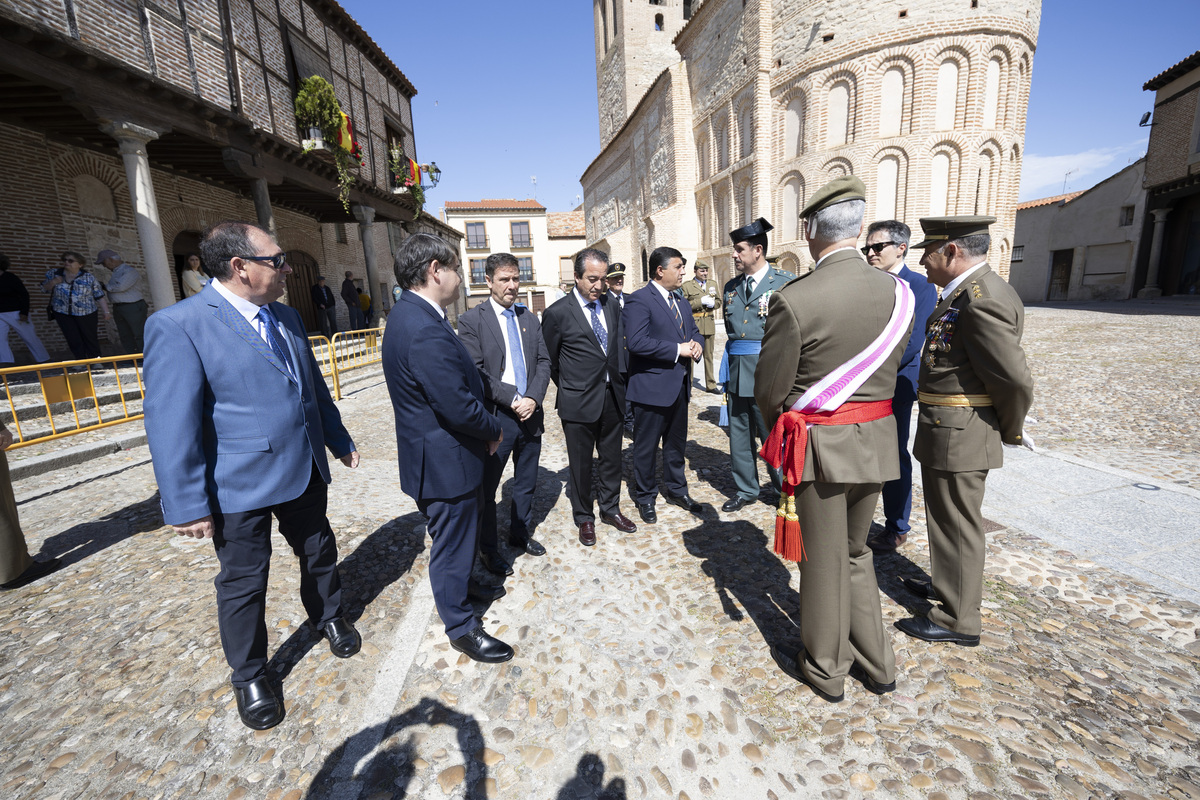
(348, 350)
(65, 389)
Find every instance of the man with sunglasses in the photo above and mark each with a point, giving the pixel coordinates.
(238, 418)
(887, 244)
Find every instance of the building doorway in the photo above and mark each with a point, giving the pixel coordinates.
(186, 243)
(300, 281)
(1060, 274)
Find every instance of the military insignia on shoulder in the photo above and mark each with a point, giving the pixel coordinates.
(976, 292)
(938, 335)
(787, 275)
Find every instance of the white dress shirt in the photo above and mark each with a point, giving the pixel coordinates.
(250, 311)
(672, 302)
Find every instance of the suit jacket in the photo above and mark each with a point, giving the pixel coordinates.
(925, 293)
(746, 318)
(578, 366)
(350, 293)
(228, 429)
(815, 324)
(322, 296)
(973, 346)
(442, 426)
(693, 291)
(480, 333)
(653, 336)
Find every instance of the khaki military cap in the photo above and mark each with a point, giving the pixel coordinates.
(756, 228)
(942, 229)
(838, 190)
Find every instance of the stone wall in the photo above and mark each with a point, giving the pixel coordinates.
(1172, 153)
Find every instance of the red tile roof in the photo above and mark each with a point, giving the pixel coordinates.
(567, 225)
(1045, 201)
(494, 205)
(1171, 73)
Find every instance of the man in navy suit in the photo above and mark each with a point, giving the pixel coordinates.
(663, 343)
(238, 418)
(584, 340)
(505, 339)
(887, 244)
(444, 433)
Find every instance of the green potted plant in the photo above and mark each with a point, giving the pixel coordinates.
(402, 175)
(318, 110)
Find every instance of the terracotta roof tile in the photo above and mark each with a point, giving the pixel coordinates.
(494, 205)
(567, 225)
(1171, 73)
(1045, 201)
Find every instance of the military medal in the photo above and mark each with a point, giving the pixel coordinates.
(763, 301)
(938, 335)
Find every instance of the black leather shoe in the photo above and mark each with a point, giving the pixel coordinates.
(36, 570)
(886, 541)
(923, 589)
(478, 645)
(495, 564)
(344, 641)
(873, 686)
(735, 504)
(619, 521)
(647, 513)
(787, 663)
(484, 593)
(257, 705)
(530, 546)
(922, 628)
(686, 503)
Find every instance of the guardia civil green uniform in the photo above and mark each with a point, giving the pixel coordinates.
(973, 393)
(694, 291)
(745, 313)
(816, 324)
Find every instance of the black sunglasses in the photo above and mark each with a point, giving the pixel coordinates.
(277, 261)
(877, 247)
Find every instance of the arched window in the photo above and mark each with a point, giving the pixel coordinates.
(839, 115)
(985, 189)
(887, 182)
(658, 22)
(793, 196)
(720, 206)
(702, 157)
(939, 185)
(991, 96)
(747, 201)
(793, 128)
(746, 130)
(721, 136)
(946, 108)
(705, 222)
(891, 102)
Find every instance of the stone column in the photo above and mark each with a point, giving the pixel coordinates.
(1152, 289)
(262, 204)
(366, 225)
(132, 141)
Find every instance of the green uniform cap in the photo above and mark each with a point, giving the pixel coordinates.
(700, 265)
(838, 190)
(616, 270)
(942, 229)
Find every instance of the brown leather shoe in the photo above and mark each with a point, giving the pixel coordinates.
(619, 521)
(886, 541)
(587, 534)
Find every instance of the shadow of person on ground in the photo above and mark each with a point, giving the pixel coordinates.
(390, 767)
(379, 561)
(588, 782)
(86, 539)
(737, 556)
(713, 467)
(889, 569)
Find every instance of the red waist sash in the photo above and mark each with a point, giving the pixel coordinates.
(784, 450)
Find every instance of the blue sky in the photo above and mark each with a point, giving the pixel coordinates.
(507, 91)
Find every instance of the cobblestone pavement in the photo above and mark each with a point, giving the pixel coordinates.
(642, 665)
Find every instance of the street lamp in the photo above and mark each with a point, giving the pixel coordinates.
(431, 169)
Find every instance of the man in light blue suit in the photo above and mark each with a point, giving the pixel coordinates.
(238, 418)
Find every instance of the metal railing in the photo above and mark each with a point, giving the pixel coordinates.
(346, 351)
(71, 397)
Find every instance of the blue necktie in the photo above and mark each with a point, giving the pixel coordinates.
(597, 328)
(675, 307)
(277, 347)
(514, 352)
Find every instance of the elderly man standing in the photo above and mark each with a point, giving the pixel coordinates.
(128, 305)
(824, 382)
(701, 294)
(322, 297)
(974, 392)
(444, 433)
(887, 244)
(238, 418)
(353, 304)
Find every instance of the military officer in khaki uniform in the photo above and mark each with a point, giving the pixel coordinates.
(818, 325)
(745, 300)
(702, 294)
(973, 393)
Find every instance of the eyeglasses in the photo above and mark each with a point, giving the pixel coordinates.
(877, 247)
(277, 261)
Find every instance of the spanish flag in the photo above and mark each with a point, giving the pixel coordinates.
(414, 173)
(346, 135)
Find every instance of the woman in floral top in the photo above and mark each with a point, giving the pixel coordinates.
(74, 295)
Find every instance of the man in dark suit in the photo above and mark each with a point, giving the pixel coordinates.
(238, 418)
(583, 339)
(663, 343)
(322, 297)
(443, 432)
(353, 305)
(505, 339)
(887, 244)
(615, 278)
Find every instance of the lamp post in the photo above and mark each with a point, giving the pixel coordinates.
(435, 174)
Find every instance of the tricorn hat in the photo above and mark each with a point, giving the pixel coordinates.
(756, 228)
